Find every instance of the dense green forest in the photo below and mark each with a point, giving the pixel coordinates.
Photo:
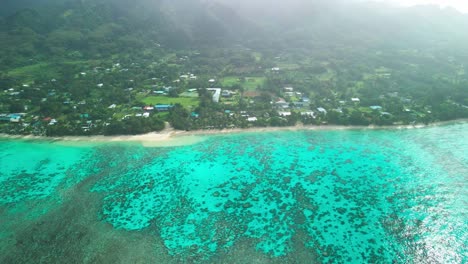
(83, 67)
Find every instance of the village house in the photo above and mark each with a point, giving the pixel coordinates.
(322, 110)
(308, 113)
(163, 107)
(227, 93)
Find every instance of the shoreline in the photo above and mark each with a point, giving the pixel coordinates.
(171, 137)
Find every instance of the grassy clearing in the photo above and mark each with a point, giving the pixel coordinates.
(289, 66)
(326, 76)
(42, 69)
(230, 81)
(250, 83)
(257, 56)
(184, 101)
(28, 73)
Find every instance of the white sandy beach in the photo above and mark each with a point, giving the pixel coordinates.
(171, 137)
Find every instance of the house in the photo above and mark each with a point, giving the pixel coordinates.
(375, 107)
(252, 119)
(308, 113)
(167, 88)
(13, 118)
(163, 107)
(282, 104)
(355, 100)
(281, 113)
(226, 93)
(305, 100)
(146, 114)
(275, 69)
(112, 106)
(212, 81)
(288, 89)
(52, 122)
(148, 108)
(100, 85)
(322, 110)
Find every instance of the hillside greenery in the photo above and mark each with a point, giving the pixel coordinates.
(85, 67)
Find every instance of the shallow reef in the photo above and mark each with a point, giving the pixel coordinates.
(279, 197)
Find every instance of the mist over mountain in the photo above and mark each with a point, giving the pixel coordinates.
(329, 50)
(109, 26)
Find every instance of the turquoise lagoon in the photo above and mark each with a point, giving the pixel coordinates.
(352, 196)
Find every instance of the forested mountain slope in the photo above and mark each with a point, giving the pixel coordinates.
(73, 58)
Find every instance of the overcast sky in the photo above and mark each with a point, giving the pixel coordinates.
(461, 5)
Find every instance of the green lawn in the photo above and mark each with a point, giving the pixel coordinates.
(28, 73)
(42, 69)
(250, 83)
(289, 66)
(184, 101)
(257, 56)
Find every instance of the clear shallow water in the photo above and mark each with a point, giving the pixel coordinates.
(306, 196)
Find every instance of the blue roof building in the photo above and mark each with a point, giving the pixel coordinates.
(163, 107)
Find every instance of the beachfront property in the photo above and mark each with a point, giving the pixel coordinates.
(13, 118)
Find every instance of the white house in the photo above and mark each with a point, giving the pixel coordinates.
(322, 110)
(355, 100)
